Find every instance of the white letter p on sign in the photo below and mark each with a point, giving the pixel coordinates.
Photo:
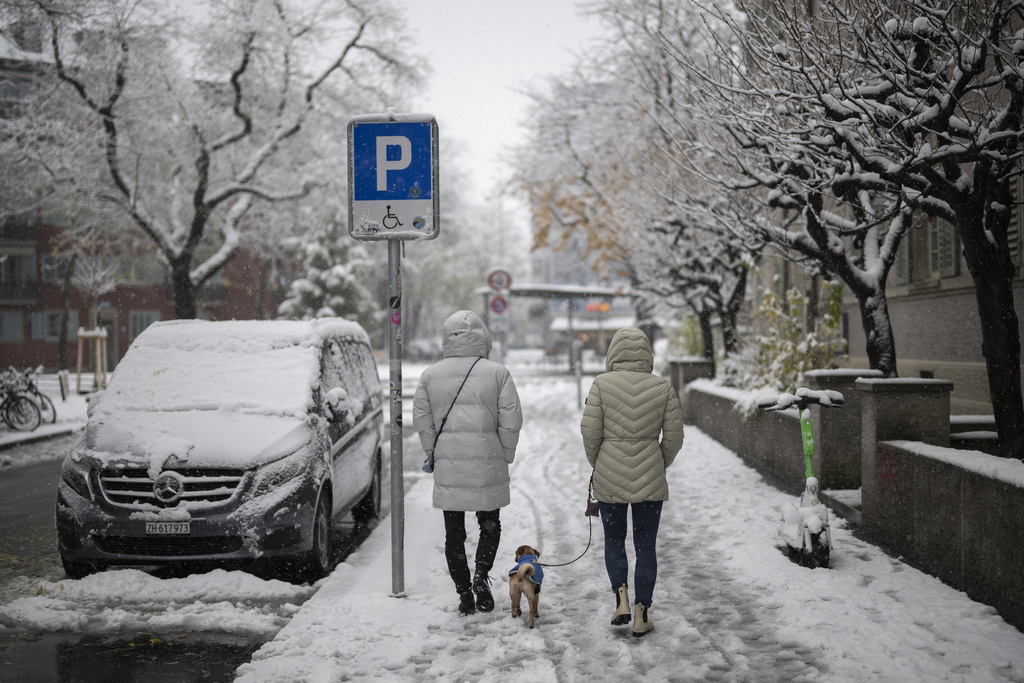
(384, 165)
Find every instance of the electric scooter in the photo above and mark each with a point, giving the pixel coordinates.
(806, 529)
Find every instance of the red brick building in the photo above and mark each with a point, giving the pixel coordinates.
(31, 280)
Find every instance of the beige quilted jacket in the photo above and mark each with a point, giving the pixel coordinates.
(632, 425)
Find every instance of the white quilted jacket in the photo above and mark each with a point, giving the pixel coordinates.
(632, 425)
(480, 437)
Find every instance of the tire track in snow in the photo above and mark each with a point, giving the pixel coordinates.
(551, 458)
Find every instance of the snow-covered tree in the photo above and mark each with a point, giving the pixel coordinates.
(195, 119)
(598, 165)
(751, 133)
(333, 283)
(94, 276)
(861, 113)
(695, 263)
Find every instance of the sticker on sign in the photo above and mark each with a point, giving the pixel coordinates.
(393, 177)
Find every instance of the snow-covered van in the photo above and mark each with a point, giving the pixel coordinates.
(236, 442)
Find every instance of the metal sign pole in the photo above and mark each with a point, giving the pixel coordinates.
(397, 460)
(393, 175)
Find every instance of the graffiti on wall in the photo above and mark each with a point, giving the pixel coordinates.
(890, 475)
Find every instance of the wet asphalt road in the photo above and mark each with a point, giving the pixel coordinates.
(28, 548)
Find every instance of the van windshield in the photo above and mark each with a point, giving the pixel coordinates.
(239, 367)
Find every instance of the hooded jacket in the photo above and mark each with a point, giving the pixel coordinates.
(479, 438)
(632, 425)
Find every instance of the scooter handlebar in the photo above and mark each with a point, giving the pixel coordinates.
(804, 397)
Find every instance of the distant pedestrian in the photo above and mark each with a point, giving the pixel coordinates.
(632, 429)
(467, 412)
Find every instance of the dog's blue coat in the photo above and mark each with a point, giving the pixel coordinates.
(538, 572)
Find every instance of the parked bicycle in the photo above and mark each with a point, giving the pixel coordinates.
(25, 383)
(18, 410)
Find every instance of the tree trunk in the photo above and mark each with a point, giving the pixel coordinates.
(732, 306)
(1001, 347)
(730, 338)
(812, 315)
(992, 271)
(261, 290)
(184, 291)
(65, 313)
(879, 342)
(707, 336)
(874, 307)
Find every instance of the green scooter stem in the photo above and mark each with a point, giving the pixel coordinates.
(806, 431)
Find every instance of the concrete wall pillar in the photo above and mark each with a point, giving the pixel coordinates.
(682, 371)
(837, 431)
(892, 410)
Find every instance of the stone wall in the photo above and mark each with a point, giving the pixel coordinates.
(955, 514)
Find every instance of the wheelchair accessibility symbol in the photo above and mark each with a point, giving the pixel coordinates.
(390, 220)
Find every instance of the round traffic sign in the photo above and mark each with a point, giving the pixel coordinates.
(499, 304)
(499, 280)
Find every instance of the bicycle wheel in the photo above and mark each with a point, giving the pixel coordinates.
(47, 411)
(21, 414)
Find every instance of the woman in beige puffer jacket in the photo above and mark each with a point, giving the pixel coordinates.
(632, 430)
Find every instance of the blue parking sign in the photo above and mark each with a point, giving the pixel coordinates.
(393, 171)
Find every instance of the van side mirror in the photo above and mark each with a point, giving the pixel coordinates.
(337, 404)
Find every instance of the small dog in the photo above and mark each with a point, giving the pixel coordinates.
(525, 579)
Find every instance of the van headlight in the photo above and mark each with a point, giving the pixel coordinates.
(76, 476)
(278, 473)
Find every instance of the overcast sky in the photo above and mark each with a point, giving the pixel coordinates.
(484, 54)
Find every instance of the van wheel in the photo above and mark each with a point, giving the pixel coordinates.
(368, 509)
(78, 570)
(316, 563)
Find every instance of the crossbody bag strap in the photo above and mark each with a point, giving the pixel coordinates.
(445, 418)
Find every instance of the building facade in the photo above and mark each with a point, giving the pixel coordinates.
(32, 288)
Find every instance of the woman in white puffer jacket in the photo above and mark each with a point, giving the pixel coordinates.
(477, 444)
(632, 429)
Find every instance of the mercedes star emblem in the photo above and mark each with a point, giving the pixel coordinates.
(168, 488)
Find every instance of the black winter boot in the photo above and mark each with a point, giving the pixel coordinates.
(466, 604)
(484, 599)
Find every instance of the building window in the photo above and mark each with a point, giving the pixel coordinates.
(46, 325)
(14, 89)
(17, 266)
(10, 326)
(140, 320)
(943, 246)
(52, 268)
(143, 269)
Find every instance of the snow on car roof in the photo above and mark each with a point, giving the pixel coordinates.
(250, 366)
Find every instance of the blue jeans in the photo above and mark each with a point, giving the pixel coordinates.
(646, 518)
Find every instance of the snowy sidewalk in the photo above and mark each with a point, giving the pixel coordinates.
(729, 605)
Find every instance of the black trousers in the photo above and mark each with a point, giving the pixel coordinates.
(455, 545)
